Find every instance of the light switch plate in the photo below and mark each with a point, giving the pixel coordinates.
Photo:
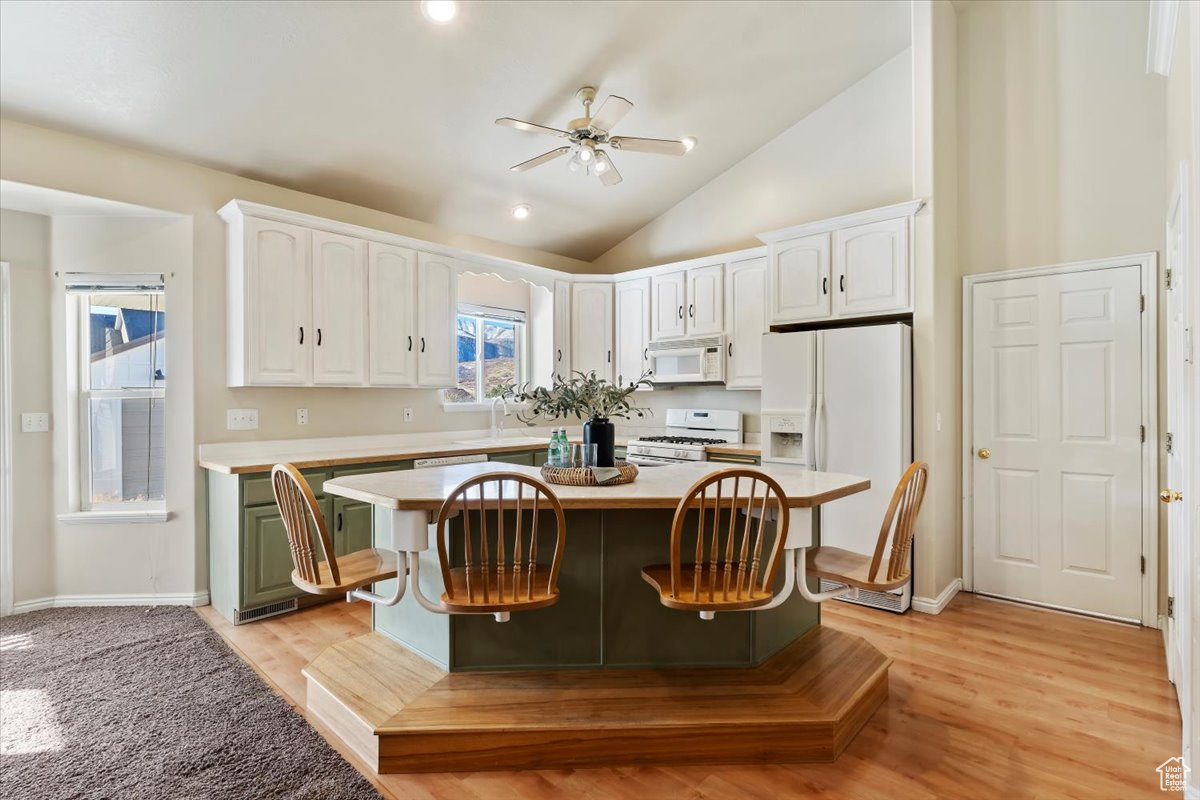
(408, 415)
(35, 422)
(241, 419)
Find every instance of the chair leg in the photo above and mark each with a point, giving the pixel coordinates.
(378, 599)
(802, 581)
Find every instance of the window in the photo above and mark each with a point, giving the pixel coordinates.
(491, 353)
(122, 386)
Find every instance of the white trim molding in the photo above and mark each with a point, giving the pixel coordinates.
(1148, 262)
(906, 209)
(6, 443)
(96, 600)
(935, 605)
(1160, 43)
(121, 517)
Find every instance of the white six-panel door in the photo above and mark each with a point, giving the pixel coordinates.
(1056, 441)
(392, 283)
(339, 267)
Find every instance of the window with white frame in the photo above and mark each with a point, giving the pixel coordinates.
(122, 386)
(491, 353)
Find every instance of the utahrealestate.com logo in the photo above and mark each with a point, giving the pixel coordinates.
(1172, 775)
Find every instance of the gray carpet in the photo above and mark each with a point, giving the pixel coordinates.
(149, 703)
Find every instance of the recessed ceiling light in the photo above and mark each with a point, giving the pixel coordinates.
(521, 211)
(688, 143)
(439, 11)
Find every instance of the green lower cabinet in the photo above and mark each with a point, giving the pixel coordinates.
(524, 459)
(267, 557)
(351, 525)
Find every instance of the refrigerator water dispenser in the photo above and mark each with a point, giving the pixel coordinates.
(785, 441)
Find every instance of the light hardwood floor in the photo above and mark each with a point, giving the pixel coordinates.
(987, 700)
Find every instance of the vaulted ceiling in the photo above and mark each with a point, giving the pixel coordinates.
(370, 103)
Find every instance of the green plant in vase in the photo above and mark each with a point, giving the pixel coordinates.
(585, 396)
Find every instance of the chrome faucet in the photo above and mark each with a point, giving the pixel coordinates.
(498, 430)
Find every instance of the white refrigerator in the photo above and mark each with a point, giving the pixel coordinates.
(840, 400)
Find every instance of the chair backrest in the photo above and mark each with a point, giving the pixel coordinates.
(298, 505)
(736, 569)
(902, 516)
(510, 560)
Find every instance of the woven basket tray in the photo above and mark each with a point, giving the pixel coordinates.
(582, 476)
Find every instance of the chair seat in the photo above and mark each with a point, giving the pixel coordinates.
(848, 567)
(356, 570)
(489, 593)
(659, 576)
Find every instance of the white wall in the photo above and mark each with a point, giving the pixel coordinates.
(853, 153)
(25, 244)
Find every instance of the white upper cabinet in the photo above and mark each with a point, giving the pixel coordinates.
(562, 328)
(871, 264)
(745, 322)
(270, 293)
(669, 305)
(339, 303)
(392, 291)
(437, 309)
(800, 279)
(592, 328)
(705, 300)
(632, 328)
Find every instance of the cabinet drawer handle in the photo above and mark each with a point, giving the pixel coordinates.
(318, 337)
(681, 312)
(339, 521)
(731, 349)
(692, 310)
(422, 344)
(560, 354)
(824, 285)
(609, 357)
(842, 283)
(646, 354)
(410, 344)
(301, 334)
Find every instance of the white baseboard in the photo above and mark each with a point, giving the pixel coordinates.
(82, 600)
(934, 605)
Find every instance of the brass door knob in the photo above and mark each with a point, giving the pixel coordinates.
(985, 453)
(1166, 495)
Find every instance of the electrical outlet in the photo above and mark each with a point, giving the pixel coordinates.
(408, 415)
(241, 419)
(938, 421)
(37, 422)
(301, 416)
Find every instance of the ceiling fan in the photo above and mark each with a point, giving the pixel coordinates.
(587, 133)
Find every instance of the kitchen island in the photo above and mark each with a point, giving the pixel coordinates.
(607, 675)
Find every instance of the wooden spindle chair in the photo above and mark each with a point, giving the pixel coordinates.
(730, 570)
(867, 572)
(500, 571)
(333, 575)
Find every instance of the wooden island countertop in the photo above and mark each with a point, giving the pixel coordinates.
(655, 487)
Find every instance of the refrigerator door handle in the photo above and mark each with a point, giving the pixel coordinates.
(818, 460)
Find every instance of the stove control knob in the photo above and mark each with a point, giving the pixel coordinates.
(680, 454)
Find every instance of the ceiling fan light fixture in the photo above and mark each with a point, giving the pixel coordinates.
(688, 143)
(601, 164)
(587, 150)
(521, 211)
(439, 11)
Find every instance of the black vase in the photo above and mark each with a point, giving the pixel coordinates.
(602, 433)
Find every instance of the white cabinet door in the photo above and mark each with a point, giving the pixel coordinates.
(339, 270)
(562, 328)
(437, 310)
(669, 305)
(278, 304)
(392, 288)
(592, 328)
(746, 322)
(871, 266)
(632, 328)
(799, 277)
(705, 298)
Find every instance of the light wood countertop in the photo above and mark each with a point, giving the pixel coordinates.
(655, 487)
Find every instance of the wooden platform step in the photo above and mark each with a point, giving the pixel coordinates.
(402, 714)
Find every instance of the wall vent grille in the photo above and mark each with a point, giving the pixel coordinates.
(885, 600)
(270, 610)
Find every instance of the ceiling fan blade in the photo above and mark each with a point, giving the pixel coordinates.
(612, 111)
(539, 160)
(529, 127)
(663, 147)
(609, 175)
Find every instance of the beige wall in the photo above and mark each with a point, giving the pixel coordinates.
(853, 153)
(25, 244)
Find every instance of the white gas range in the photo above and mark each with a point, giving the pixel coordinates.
(689, 431)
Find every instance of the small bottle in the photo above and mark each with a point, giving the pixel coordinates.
(554, 457)
(563, 448)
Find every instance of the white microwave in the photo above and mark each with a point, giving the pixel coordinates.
(699, 359)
